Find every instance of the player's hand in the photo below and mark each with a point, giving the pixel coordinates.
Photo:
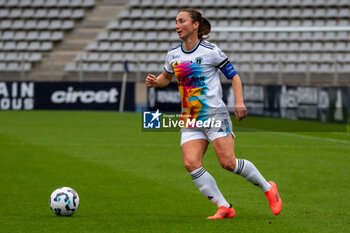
(240, 111)
(151, 81)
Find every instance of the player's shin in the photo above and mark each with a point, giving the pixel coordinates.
(207, 185)
(249, 172)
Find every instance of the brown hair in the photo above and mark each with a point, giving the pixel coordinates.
(204, 24)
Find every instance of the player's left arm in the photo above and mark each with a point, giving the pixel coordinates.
(231, 74)
(240, 109)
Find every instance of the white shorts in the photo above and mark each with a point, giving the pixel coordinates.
(188, 134)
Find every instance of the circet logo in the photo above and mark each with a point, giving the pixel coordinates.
(85, 97)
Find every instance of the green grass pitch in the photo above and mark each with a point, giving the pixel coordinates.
(134, 181)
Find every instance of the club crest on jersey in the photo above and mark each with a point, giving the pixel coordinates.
(199, 60)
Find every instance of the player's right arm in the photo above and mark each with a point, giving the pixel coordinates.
(161, 81)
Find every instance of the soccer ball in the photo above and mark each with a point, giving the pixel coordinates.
(64, 201)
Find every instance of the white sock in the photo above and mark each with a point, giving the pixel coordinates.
(249, 172)
(207, 185)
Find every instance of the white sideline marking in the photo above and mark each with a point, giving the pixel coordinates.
(313, 137)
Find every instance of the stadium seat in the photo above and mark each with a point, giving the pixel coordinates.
(112, 25)
(76, 3)
(139, 35)
(114, 35)
(135, 13)
(161, 13)
(21, 46)
(55, 24)
(92, 57)
(24, 3)
(67, 25)
(70, 67)
(65, 13)
(117, 67)
(11, 3)
(140, 24)
(28, 13)
(30, 24)
(149, 24)
(17, 24)
(40, 13)
(15, 13)
(42, 24)
(11, 56)
(13, 66)
(116, 46)
(116, 57)
(77, 14)
(343, 22)
(88, 3)
(104, 57)
(124, 14)
(139, 46)
(7, 35)
(92, 67)
(56, 36)
(32, 35)
(52, 13)
(170, 4)
(4, 13)
(9, 46)
(2, 66)
(103, 46)
(125, 24)
(62, 3)
(102, 36)
(148, 13)
(35, 57)
(127, 35)
(44, 35)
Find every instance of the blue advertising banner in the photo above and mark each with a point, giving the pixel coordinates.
(65, 96)
(325, 104)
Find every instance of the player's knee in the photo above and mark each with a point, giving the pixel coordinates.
(228, 164)
(192, 165)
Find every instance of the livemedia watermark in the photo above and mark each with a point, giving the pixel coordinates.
(283, 120)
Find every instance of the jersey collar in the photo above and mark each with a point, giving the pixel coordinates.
(191, 51)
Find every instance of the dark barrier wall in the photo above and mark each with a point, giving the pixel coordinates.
(166, 99)
(327, 104)
(65, 95)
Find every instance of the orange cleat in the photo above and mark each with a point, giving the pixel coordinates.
(274, 199)
(223, 212)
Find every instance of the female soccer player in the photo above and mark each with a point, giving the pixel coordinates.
(195, 64)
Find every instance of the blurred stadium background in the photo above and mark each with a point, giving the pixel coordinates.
(293, 42)
(270, 41)
(285, 41)
(293, 57)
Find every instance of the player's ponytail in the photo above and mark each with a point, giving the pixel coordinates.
(204, 28)
(204, 24)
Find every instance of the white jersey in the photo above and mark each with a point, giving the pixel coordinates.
(197, 73)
